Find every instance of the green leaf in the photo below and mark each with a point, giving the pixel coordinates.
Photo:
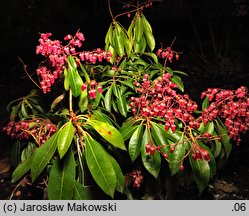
(159, 135)
(118, 41)
(62, 178)
(128, 83)
(169, 134)
(65, 138)
(135, 143)
(15, 153)
(24, 110)
(100, 166)
(138, 29)
(127, 129)
(151, 162)
(108, 99)
(205, 103)
(152, 55)
(148, 34)
(178, 81)
(121, 102)
(72, 62)
(57, 101)
(21, 170)
(66, 79)
(99, 116)
(108, 37)
(128, 46)
(28, 151)
(75, 82)
(218, 146)
(43, 155)
(119, 175)
(109, 133)
(176, 157)
(82, 192)
(87, 78)
(97, 100)
(83, 101)
(201, 172)
(210, 128)
(225, 139)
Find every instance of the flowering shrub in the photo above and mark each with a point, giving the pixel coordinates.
(121, 120)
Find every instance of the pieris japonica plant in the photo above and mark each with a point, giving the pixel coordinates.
(119, 121)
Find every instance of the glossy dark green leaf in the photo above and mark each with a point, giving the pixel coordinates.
(169, 134)
(211, 162)
(75, 82)
(62, 178)
(176, 157)
(122, 104)
(21, 170)
(151, 162)
(152, 55)
(87, 78)
(148, 34)
(210, 128)
(24, 110)
(201, 172)
(127, 129)
(108, 37)
(65, 138)
(16, 153)
(128, 83)
(159, 137)
(218, 147)
(225, 139)
(99, 116)
(82, 192)
(135, 143)
(43, 155)
(119, 175)
(66, 79)
(205, 103)
(118, 41)
(72, 62)
(178, 81)
(108, 99)
(138, 29)
(109, 133)
(100, 166)
(83, 101)
(28, 151)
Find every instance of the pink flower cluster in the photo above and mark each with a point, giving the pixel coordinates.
(92, 86)
(159, 99)
(231, 105)
(168, 54)
(40, 129)
(56, 57)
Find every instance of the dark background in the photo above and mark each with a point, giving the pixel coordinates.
(211, 34)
